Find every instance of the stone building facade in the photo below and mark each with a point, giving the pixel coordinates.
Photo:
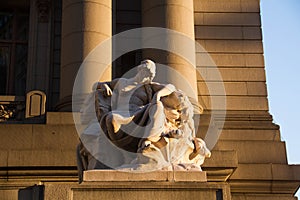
(44, 42)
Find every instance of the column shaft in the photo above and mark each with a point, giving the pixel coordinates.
(85, 24)
(177, 15)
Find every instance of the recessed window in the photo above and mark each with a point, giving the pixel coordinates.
(14, 29)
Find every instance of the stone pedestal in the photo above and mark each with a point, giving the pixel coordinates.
(110, 184)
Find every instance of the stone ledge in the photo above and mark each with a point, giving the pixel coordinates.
(37, 174)
(264, 187)
(114, 175)
(266, 172)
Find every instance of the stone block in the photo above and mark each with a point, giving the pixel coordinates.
(250, 6)
(252, 172)
(221, 60)
(226, 6)
(199, 18)
(254, 60)
(33, 158)
(252, 33)
(218, 32)
(217, 6)
(58, 190)
(16, 136)
(230, 60)
(231, 74)
(63, 118)
(238, 196)
(46, 137)
(237, 103)
(251, 123)
(228, 32)
(254, 134)
(9, 194)
(3, 158)
(129, 190)
(114, 175)
(221, 159)
(124, 194)
(227, 19)
(232, 46)
(257, 89)
(283, 172)
(296, 169)
(256, 151)
(275, 172)
(191, 176)
(231, 88)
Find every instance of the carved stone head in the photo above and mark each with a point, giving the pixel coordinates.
(146, 71)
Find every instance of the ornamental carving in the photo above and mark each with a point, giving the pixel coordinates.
(43, 8)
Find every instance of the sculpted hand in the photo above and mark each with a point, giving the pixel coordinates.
(105, 89)
(108, 90)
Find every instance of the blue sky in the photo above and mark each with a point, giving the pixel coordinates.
(281, 38)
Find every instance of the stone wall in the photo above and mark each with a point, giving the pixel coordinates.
(230, 31)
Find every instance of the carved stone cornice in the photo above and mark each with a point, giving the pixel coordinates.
(43, 9)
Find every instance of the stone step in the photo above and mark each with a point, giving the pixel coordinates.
(262, 152)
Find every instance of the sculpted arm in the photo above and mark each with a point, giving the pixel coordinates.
(107, 87)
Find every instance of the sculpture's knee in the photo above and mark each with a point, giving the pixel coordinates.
(112, 126)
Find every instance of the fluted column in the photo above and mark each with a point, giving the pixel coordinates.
(177, 15)
(85, 24)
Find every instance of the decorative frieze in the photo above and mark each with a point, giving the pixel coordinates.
(11, 108)
(43, 8)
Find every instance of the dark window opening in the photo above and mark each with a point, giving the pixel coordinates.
(14, 29)
(219, 194)
(126, 16)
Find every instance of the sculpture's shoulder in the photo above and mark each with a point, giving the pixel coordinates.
(155, 86)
